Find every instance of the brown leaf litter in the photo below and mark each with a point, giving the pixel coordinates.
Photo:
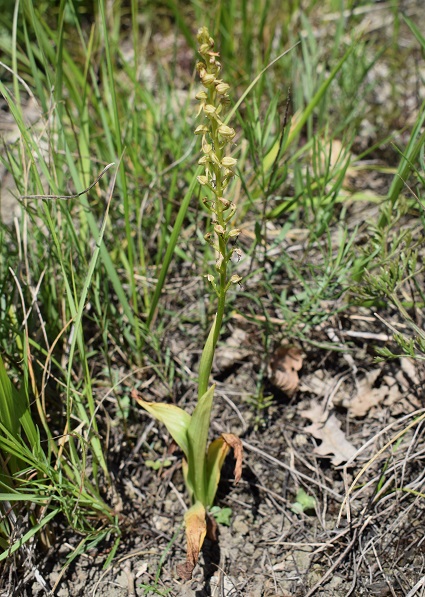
(327, 429)
(284, 366)
(363, 392)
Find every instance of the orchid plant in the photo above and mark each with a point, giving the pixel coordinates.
(202, 465)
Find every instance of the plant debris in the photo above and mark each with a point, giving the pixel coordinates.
(327, 429)
(284, 367)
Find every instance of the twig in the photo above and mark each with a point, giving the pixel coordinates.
(106, 168)
(378, 561)
(366, 335)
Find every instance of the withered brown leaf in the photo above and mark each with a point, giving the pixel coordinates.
(285, 364)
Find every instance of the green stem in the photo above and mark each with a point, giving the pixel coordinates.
(207, 357)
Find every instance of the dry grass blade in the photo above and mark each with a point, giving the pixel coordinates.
(94, 183)
(375, 457)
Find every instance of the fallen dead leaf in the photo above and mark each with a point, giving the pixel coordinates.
(394, 394)
(233, 350)
(284, 366)
(315, 413)
(317, 383)
(407, 399)
(328, 430)
(408, 366)
(366, 396)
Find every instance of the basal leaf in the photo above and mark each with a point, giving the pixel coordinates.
(174, 418)
(197, 434)
(196, 529)
(216, 456)
(207, 359)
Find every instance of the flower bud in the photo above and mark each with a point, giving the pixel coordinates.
(204, 160)
(226, 131)
(228, 175)
(203, 180)
(201, 129)
(214, 159)
(206, 147)
(204, 48)
(234, 232)
(209, 109)
(204, 37)
(238, 254)
(207, 79)
(201, 68)
(201, 95)
(222, 88)
(229, 162)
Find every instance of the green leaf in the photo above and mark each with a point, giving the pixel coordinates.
(158, 464)
(197, 435)
(11, 404)
(174, 418)
(407, 162)
(15, 413)
(217, 453)
(415, 30)
(303, 502)
(206, 360)
(301, 121)
(33, 531)
(171, 247)
(270, 158)
(187, 481)
(305, 115)
(222, 515)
